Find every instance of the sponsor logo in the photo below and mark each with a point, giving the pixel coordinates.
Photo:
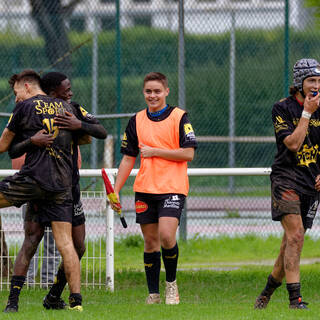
(124, 141)
(141, 206)
(172, 202)
(149, 265)
(188, 130)
(313, 210)
(280, 124)
(307, 155)
(171, 257)
(77, 209)
(85, 113)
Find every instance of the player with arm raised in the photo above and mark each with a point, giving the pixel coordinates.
(165, 139)
(295, 183)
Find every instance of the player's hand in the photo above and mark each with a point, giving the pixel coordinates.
(115, 202)
(42, 139)
(317, 185)
(146, 151)
(311, 102)
(67, 121)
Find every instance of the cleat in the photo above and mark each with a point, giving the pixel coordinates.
(76, 308)
(298, 304)
(11, 307)
(172, 294)
(153, 298)
(262, 302)
(52, 302)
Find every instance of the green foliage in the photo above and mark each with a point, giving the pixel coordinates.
(259, 80)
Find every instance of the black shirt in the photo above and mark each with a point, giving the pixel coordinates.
(130, 143)
(296, 170)
(51, 167)
(82, 115)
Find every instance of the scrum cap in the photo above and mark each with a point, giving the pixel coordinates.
(303, 69)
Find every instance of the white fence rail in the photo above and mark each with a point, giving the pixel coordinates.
(98, 260)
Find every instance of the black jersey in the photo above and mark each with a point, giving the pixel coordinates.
(130, 143)
(297, 170)
(82, 115)
(51, 167)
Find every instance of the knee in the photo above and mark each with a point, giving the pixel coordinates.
(296, 238)
(167, 240)
(80, 249)
(151, 244)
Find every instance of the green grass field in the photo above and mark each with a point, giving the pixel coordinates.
(207, 289)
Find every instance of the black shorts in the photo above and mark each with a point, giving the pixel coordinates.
(36, 211)
(19, 189)
(150, 207)
(285, 201)
(44, 213)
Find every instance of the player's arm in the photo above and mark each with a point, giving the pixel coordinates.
(295, 140)
(41, 140)
(6, 138)
(70, 122)
(125, 167)
(181, 154)
(187, 145)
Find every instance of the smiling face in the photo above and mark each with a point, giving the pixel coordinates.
(63, 91)
(155, 94)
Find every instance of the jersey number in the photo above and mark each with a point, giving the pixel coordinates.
(52, 129)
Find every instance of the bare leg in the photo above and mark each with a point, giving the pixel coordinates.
(62, 232)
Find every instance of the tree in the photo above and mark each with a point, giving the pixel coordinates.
(50, 17)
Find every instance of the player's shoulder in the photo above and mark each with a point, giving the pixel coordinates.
(81, 110)
(285, 103)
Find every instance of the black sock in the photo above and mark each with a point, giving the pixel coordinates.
(152, 265)
(294, 291)
(170, 260)
(59, 283)
(271, 286)
(17, 283)
(75, 299)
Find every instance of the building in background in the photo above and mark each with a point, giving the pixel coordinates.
(216, 16)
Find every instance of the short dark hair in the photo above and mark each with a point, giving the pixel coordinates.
(156, 76)
(52, 80)
(25, 75)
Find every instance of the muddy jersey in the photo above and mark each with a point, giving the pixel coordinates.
(297, 170)
(82, 115)
(130, 144)
(51, 167)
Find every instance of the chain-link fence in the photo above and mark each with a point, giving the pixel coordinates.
(227, 62)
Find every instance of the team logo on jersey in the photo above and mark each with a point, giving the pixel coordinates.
(307, 155)
(141, 206)
(85, 113)
(188, 130)
(124, 141)
(279, 124)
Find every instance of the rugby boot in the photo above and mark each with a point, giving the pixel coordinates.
(172, 293)
(11, 307)
(75, 301)
(153, 298)
(298, 304)
(52, 302)
(262, 302)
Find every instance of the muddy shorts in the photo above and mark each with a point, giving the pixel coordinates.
(285, 201)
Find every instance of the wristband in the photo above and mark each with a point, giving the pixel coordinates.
(306, 114)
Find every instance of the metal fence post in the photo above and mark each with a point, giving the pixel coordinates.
(182, 101)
